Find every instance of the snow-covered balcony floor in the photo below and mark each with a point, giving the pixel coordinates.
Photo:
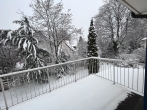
(89, 93)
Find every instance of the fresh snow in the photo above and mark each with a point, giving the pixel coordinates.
(132, 78)
(19, 65)
(89, 93)
(144, 38)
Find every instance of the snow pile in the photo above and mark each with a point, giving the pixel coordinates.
(90, 93)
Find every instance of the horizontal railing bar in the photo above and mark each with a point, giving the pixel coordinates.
(116, 60)
(41, 68)
(107, 59)
(45, 67)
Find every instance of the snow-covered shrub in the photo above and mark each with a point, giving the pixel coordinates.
(128, 57)
(129, 60)
(140, 53)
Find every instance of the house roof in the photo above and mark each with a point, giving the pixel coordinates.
(69, 45)
(41, 36)
(136, 6)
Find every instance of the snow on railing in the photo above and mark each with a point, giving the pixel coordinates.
(20, 86)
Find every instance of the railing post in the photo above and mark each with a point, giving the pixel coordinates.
(48, 80)
(2, 86)
(92, 65)
(75, 72)
(113, 73)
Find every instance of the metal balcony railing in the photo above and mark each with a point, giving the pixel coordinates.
(20, 86)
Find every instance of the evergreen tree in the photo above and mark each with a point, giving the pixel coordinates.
(92, 50)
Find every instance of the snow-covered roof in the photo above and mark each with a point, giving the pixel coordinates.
(69, 45)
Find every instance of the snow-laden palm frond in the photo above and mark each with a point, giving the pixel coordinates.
(25, 28)
(19, 32)
(34, 51)
(29, 46)
(5, 41)
(32, 32)
(9, 36)
(13, 40)
(30, 55)
(40, 62)
(34, 39)
(20, 43)
(25, 44)
(18, 22)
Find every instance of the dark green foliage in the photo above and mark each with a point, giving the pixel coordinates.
(92, 50)
(93, 66)
(8, 54)
(8, 59)
(140, 54)
(92, 47)
(3, 34)
(109, 52)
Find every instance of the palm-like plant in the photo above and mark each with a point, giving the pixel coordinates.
(27, 44)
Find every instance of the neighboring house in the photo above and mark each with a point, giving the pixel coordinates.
(143, 43)
(44, 43)
(69, 50)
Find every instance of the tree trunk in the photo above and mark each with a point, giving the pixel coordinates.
(56, 55)
(93, 66)
(115, 48)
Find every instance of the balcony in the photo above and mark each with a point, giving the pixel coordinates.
(102, 90)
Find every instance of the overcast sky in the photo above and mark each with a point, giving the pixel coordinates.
(82, 10)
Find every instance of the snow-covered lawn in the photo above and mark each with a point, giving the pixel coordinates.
(89, 93)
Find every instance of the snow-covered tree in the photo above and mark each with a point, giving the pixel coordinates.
(31, 55)
(8, 54)
(92, 47)
(27, 44)
(112, 24)
(92, 50)
(55, 24)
